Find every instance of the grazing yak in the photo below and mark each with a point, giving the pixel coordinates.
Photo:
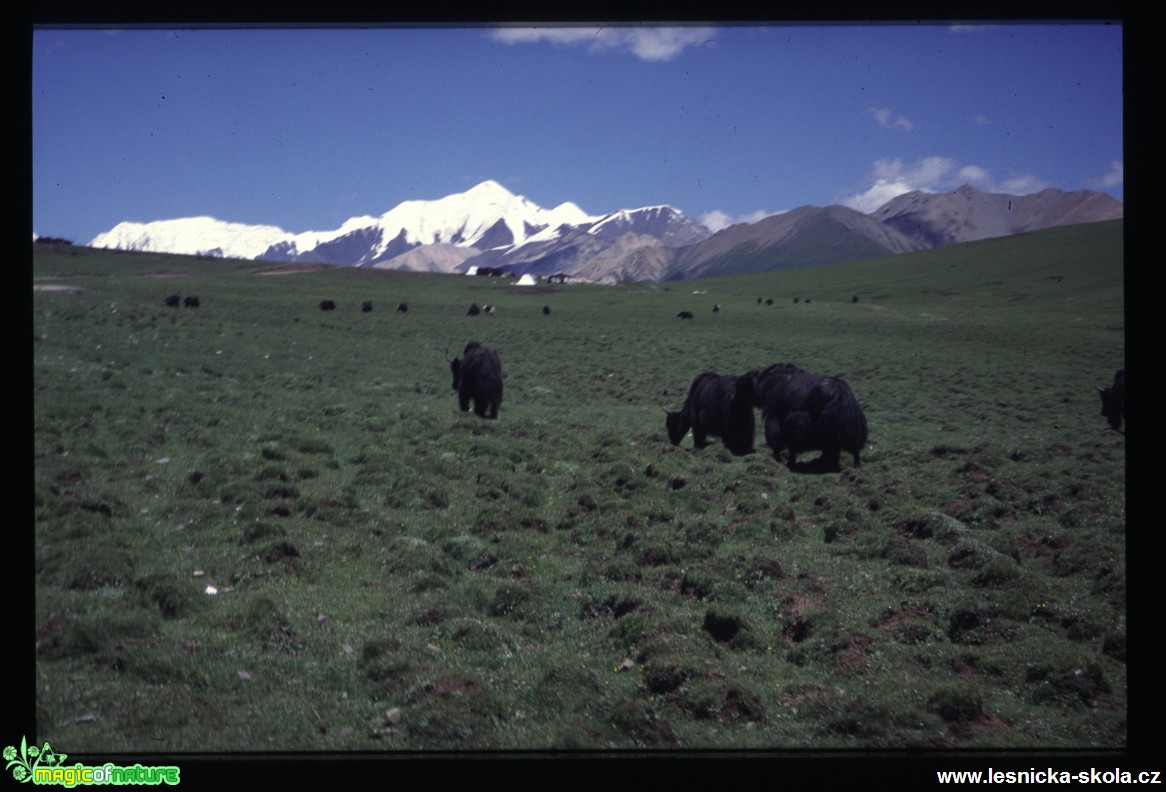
(801, 411)
(1113, 400)
(546, 310)
(719, 405)
(477, 375)
(191, 301)
(327, 305)
(474, 310)
(172, 301)
(402, 307)
(365, 306)
(684, 315)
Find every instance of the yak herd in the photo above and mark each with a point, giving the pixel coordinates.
(800, 411)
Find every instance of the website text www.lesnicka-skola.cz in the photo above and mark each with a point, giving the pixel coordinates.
(1049, 775)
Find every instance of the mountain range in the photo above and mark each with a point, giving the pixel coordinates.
(488, 226)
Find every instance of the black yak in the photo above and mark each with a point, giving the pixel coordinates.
(327, 305)
(769, 301)
(402, 307)
(684, 315)
(719, 405)
(191, 301)
(801, 411)
(365, 306)
(474, 310)
(172, 301)
(546, 310)
(716, 307)
(1113, 400)
(477, 375)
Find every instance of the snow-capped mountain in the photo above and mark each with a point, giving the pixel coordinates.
(485, 217)
(488, 226)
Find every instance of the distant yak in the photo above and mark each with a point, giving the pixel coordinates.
(716, 307)
(801, 411)
(474, 310)
(487, 309)
(769, 301)
(191, 301)
(402, 307)
(546, 310)
(1113, 400)
(854, 299)
(477, 376)
(365, 306)
(173, 300)
(327, 305)
(717, 404)
(684, 315)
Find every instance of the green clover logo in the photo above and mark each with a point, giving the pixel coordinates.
(30, 757)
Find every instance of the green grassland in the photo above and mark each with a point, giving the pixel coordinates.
(393, 574)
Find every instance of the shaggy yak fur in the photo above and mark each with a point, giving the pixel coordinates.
(1113, 400)
(477, 375)
(801, 411)
(719, 405)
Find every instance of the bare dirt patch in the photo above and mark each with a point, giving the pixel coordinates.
(170, 273)
(57, 287)
(293, 269)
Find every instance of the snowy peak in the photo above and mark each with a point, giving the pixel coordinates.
(196, 236)
(485, 216)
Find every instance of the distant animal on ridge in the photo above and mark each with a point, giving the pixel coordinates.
(477, 376)
(720, 405)
(1113, 400)
(801, 412)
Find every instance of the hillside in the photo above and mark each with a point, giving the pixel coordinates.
(276, 518)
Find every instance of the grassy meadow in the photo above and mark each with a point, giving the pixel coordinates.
(392, 574)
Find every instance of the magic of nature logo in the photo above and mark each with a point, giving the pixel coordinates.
(45, 765)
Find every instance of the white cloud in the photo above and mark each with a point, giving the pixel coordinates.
(716, 219)
(885, 118)
(1115, 177)
(646, 43)
(890, 178)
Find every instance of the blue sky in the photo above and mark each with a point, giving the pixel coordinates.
(305, 128)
